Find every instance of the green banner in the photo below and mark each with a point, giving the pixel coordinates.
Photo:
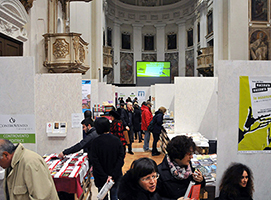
(19, 138)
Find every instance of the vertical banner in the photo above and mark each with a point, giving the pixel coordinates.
(254, 114)
(18, 128)
(86, 95)
(141, 95)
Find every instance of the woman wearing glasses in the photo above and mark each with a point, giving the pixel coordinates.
(176, 170)
(139, 182)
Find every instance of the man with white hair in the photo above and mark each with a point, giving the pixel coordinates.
(27, 176)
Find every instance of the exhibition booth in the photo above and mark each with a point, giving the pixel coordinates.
(52, 103)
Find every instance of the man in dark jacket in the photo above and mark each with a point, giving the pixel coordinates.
(127, 121)
(88, 127)
(107, 156)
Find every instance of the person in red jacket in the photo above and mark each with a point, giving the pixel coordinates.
(146, 117)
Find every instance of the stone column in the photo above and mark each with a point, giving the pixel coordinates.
(160, 41)
(116, 54)
(52, 16)
(137, 45)
(238, 30)
(203, 26)
(195, 45)
(97, 40)
(181, 46)
(220, 21)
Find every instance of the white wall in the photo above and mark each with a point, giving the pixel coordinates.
(195, 108)
(164, 96)
(106, 92)
(57, 96)
(228, 123)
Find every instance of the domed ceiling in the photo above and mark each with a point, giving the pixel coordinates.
(150, 11)
(149, 2)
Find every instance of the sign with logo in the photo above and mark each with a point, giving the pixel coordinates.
(18, 128)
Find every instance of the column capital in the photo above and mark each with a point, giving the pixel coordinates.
(160, 25)
(137, 25)
(117, 22)
(181, 22)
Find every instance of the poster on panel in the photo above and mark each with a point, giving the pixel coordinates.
(254, 114)
(86, 95)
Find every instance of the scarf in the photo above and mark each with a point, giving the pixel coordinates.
(177, 171)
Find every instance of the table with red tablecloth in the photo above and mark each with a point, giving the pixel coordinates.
(68, 173)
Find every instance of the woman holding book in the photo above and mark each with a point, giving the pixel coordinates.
(139, 182)
(176, 170)
(236, 183)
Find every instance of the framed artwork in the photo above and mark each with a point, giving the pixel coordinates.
(259, 10)
(210, 22)
(258, 45)
(190, 38)
(125, 41)
(149, 42)
(172, 41)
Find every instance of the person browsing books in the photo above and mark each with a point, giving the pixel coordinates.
(176, 170)
(139, 182)
(236, 183)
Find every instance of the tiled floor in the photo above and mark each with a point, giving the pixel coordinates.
(138, 153)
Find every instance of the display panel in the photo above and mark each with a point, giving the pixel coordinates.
(149, 73)
(153, 69)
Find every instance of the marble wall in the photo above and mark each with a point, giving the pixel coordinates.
(57, 97)
(228, 123)
(195, 108)
(17, 87)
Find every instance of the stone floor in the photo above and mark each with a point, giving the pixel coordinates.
(138, 153)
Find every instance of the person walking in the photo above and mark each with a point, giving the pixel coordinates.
(146, 118)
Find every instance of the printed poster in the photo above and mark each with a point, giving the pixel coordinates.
(86, 95)
(254, 114)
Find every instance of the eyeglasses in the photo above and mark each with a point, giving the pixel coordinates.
(149, 178)
(190, 153)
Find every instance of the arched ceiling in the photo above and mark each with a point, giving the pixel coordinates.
(150, 11)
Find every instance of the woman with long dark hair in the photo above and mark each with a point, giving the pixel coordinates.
(237, 183)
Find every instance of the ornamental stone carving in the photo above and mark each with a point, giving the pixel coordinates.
(60, 48)
(13, 18)
(65, 53)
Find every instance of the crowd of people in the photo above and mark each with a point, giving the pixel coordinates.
(27, 175)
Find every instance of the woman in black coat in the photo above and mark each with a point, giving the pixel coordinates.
(139, 182)
(157, 127)
(176, 170)
(237, 183)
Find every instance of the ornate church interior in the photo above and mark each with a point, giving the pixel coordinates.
(47, 47)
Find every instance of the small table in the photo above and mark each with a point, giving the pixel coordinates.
(69, 174)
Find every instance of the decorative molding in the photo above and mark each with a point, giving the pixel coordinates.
(65, 53)
(60, 48)
(13, 17)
